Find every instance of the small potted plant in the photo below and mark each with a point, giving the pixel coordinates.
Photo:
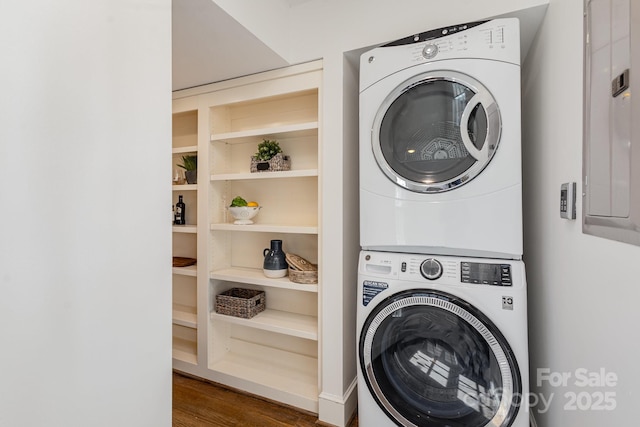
(269, 157)
(190, 165)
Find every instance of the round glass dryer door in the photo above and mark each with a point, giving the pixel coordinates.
(436, 131)
(431, 359)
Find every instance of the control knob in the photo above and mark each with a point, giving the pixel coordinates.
(431, 269)
(429, 51)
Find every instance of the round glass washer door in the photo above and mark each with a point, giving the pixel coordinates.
(431, 359)
(436, 131)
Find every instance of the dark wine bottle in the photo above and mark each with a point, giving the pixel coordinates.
(180, 212)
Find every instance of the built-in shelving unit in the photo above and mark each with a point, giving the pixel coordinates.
(276, 353)
(185, 312)
(277, 350)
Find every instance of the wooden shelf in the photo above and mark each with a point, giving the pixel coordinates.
(185, 315)
(185, 350)
(265, 228)
(192, 229)
(291, 378)
(281, 322)
(264, 175)
(185, 187)
(191, 270)
(256, 277)
(185, 150)
(297, 130)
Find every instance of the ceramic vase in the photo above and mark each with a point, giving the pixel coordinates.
(275, 263)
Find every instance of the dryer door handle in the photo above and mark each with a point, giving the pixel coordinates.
(493, 124)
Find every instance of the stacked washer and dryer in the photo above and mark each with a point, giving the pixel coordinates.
(442, 303)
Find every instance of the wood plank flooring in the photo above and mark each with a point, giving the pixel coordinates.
(198, 403)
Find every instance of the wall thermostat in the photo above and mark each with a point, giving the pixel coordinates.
(568, 200)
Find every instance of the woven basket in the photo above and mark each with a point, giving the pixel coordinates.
(279, 162)
(301, 270)
(304, 277)
(238, 302)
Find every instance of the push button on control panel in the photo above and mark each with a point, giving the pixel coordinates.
(505, 274)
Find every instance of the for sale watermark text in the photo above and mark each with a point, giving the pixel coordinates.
(594, 389)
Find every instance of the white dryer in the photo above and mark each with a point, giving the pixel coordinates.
(440, 144)
(442, 341)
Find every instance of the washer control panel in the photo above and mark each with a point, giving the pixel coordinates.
(439, 269)
(485, 273)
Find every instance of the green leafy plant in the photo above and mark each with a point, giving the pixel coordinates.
(267, 149)
(238, 201)
(189, 163)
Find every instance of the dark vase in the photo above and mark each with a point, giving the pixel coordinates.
(275, 263)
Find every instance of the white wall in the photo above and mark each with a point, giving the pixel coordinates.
(85, 295)
(301, 30)
(582, 289)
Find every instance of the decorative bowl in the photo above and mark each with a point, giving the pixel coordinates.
(243, 214)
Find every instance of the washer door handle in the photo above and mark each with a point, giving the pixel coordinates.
(491, 110)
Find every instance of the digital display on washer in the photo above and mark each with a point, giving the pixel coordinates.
(485, 273)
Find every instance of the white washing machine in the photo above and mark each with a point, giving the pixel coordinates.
(442, 341)
(440, 144)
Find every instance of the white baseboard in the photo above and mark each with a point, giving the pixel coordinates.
(338, 410)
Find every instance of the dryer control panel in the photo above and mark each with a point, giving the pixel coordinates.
(497, 39)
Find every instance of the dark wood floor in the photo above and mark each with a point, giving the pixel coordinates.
(200, 403)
